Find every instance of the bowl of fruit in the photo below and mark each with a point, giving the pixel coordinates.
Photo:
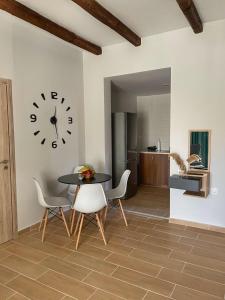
(87, 172)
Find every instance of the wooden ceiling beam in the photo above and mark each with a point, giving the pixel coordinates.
(23, 12)
(190, 11)
(104, 16)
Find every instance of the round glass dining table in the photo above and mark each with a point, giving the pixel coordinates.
(74, 179)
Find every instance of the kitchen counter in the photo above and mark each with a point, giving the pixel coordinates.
(155, 152)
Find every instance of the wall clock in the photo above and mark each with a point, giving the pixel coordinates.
(52, 119)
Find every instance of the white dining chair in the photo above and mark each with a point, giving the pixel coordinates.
(71, 195)
(90, 200)
(118, 193)
(51, 204)
(72, 188)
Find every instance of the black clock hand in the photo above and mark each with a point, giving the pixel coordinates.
(53, 120)
(56, 127)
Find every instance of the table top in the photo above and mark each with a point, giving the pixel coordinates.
(73, 179)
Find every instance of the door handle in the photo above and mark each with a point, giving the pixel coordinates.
(4, 162)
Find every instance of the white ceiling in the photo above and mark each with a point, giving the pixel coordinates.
(145, 17)
(147, 83)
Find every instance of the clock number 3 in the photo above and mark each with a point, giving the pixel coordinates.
(70, 120)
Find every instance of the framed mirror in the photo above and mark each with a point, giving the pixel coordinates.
(199, 144)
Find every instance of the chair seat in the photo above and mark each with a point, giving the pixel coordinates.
(57, 202)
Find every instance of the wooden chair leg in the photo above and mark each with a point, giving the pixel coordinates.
(64, 220)
(39, 229)
(45, 224)
(101, 228)
(105, 215)
(78, 221)
(72, 221)
(80, 228)
(72, 210)
(122, 211)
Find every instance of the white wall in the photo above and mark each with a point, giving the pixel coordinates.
(123, 101)
(197, 101)
(38, 62)
(153, 121)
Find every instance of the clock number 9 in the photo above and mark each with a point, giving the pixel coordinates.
(70, 120)
(33, 118)
(54, 145)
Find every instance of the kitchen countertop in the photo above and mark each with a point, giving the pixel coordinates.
(155, 152)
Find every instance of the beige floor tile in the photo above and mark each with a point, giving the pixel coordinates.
(27, 252)
(134, 264)
(147, 247)
(46, 247)
(6, 274)
(195, 283)
(147, 282)
(205, 273)
(212, 239)
(54, 239)
(206, 231)
(90, 250)
(158, 234)
(5, 292)
(125, 233)
(199, 260)
(179, 232)
(23, 266)
(211, 253)
(168, 244)
(153, 296)
(204, 244)
(115, 225)
(66, 268)
(4, 254)
(115, 286)
(182, 293)
(91, 263)
(67, 285)
(100, 295)
(157, 259)
(33, 289)
(18, 297)
(111, 246)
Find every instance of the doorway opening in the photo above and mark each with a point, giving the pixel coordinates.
(8, 212)
(140, 109)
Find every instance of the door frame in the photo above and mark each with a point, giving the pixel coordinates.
(8, 83)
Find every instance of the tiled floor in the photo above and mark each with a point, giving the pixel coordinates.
(150, 200)
(151, 260)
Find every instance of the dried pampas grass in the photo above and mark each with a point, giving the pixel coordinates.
(179, 161)
(193, 158)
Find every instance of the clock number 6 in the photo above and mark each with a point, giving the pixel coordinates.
(54, 145)
(33, 118)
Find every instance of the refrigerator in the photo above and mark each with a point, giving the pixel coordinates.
(124, 149)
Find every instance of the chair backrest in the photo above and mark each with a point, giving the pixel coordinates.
(72, 187)
(90, 198)
(122, 187)
(41, 198)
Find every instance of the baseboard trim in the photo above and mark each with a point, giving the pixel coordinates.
(28, 229)
(197, 225)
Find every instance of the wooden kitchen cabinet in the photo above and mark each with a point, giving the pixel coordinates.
(154, 169)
